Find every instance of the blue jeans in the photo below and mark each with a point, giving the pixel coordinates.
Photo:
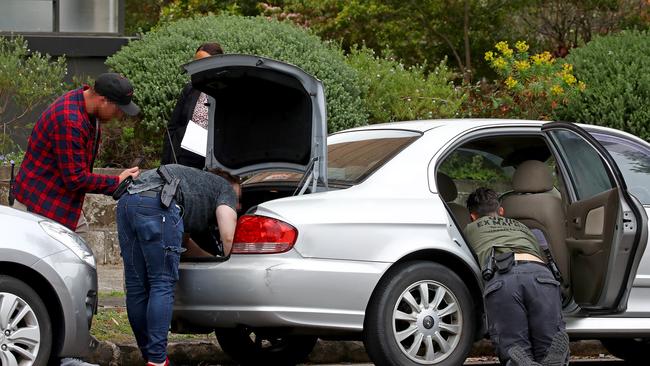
(150, 241)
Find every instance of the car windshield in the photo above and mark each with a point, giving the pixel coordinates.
(353, 156)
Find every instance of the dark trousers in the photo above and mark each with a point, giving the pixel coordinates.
(150, 242)
(524, 308)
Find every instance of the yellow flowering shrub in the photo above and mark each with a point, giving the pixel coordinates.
(528, 86)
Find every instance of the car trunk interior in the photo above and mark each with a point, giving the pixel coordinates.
(252, 195)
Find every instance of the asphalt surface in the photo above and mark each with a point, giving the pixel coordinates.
(602, 360)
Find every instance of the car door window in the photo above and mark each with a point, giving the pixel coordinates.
(633, 159)
(588, 174)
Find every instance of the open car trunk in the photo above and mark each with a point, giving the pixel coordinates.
(264, 115)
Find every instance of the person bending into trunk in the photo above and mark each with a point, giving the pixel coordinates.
(522, 298)
(153, 226)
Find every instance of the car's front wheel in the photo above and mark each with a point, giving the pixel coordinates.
(251, 348)
(633, 350)
(25, 327)
(420, 314)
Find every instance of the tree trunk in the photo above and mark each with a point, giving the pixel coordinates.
(467, 71)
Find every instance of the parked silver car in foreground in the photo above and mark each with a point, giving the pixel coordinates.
(48, 290)
(366, 240)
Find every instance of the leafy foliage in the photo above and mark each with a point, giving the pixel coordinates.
(615, 68)
(141, 15)
(394, 92)
(416, 31)
(179, 9)
(461, 166)
(531, 87)
(27, 80)
(153, 65)
(565, 24)
(424, 32)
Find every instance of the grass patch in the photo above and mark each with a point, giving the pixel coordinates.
(112, 324)
(107, 294)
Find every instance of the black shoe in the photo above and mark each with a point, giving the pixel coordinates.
(519, 357)
(558, 351)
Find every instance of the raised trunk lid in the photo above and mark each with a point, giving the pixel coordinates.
(263, 115)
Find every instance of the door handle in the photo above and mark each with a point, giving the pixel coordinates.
(577, 222)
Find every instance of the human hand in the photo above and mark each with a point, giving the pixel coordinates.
(131, 172)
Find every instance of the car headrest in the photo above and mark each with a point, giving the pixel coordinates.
(532, 176)
(446, 187)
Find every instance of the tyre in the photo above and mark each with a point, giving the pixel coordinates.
(633, 350)
(420, 314)
(248, 348)
(25, 327)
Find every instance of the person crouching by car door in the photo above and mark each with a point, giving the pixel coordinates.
(522, 298)
(154, 218)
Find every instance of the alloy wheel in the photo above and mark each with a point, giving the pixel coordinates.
(427, 322)
(20, 336)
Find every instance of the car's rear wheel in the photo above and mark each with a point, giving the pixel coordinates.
(250, 348)
(420, 314)
(25, 327)
(633, 350)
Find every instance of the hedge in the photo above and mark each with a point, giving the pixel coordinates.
(615, 71)
(393, 92)
(153, 63)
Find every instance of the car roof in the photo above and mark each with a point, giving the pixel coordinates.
(460, 124)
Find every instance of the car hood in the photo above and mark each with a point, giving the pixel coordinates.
(263, 114)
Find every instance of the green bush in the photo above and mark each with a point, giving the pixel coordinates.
(615, 69)
(27, 80)
(393, 92)
(153, 65)
(529, 87)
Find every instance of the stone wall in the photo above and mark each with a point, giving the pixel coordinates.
(100, 213)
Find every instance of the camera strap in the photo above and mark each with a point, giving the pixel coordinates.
(171, 144)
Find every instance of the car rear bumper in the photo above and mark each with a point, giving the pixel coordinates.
(279, 290)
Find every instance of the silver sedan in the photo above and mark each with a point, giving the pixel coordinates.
(372, 247)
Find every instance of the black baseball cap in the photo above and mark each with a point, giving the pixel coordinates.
(118, 90)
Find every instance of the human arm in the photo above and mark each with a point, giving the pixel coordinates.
(227, 222)
(71, 137)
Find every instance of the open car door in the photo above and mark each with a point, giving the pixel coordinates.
(606, 226)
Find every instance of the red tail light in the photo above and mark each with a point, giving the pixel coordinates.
(263, 235)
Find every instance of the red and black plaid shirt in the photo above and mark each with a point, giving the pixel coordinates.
(55, 174)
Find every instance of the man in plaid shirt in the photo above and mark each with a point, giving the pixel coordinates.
(56, 172)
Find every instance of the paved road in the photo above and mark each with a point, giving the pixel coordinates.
(601, 362)
(607, 362)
